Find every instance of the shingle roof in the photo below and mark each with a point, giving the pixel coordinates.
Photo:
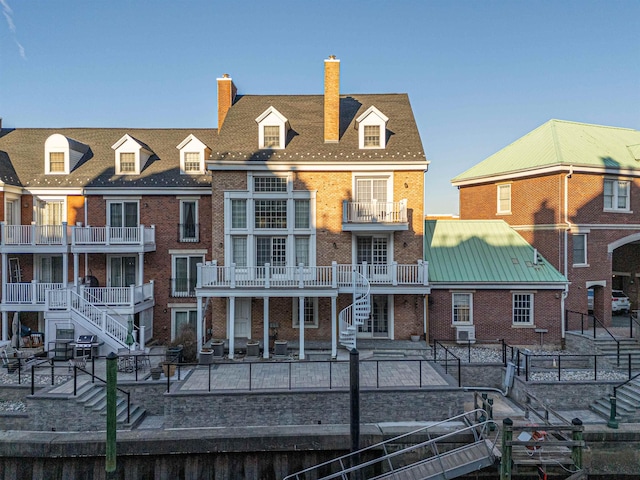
(559, 142)
(22, 158)
(238, 136)
(483, 251)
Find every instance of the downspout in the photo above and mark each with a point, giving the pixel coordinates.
(86, 224)
(566, 248)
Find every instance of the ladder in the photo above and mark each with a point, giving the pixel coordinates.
(15, 272)
(415, 455)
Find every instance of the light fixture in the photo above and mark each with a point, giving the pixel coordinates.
(404, 244)
(335, 245)
(406, 185)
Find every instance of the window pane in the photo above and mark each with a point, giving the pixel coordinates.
(269, 184)
(239, 245)
(127, 162)
(130, 214)
(192, 162)
(302, 214)
(271, 214)
(302, 251)
(271, 136)
(461, 307)
(579, 249)
(56, 162)
(504, 198)
(238, 214)
(188, 220)
(623, 194)
(608, 194)
(522, 304)
(371, 135)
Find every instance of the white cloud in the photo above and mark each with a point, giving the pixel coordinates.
(8, 15)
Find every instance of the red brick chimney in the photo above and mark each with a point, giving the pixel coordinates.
(226, 95)
(331, 100)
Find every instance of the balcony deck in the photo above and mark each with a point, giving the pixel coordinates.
(211, 278)
(374, 216)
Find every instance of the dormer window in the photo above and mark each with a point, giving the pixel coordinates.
(372, 136)
(192, 155)
(132, 155)
(62, 154)
(56, 162)
(372, 128)
(272, 129)
(127, 162)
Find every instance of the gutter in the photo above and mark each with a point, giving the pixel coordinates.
(566, 248)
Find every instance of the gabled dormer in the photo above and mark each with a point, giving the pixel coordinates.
(62, 154)
(272, 129)
(192, 155)
(131, 155)
(372, 128)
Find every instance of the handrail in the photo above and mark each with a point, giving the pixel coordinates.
(110, 311)
(343, 460)
(596, 322)
(446, 362)
(616, 387)
(632, 319)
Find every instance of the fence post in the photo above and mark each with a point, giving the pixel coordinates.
(576, 453)
(112, 379)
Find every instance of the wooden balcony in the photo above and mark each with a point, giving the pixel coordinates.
(374, 216)
(34, 238)
(338, 277)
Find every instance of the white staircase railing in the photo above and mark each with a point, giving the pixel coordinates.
(357, 313)
(96, 319)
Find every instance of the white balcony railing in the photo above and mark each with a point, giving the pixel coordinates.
(374, 212)
(113, 235)
(34, 234)
(211, 275)
(28, 293)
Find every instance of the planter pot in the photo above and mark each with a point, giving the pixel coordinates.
(415, 338)
(281, 348)
(218, 348)
(206, 357)
(253, 349)
(155, 373)
(169, 369)
(174, 354)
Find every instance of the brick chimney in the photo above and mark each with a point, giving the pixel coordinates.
(226, 95)
(331, 100)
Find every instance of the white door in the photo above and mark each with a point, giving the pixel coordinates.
(242, 322)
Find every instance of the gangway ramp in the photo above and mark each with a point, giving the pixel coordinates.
(418, 455)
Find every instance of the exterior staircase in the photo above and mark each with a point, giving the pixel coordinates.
(94, 399)
(629, 350)
(357, 313)
(627, 403)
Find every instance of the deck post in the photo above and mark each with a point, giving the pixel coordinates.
(576, 450)
(507, 436)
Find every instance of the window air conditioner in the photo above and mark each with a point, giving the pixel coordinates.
(465, 334)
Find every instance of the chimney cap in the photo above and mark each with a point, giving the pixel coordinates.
(225, 75)
(332, 58)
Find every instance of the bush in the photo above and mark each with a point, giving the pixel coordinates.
(187, 340)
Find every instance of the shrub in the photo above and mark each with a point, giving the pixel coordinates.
(187, 339)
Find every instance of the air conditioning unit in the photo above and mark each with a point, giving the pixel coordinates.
(466, 334)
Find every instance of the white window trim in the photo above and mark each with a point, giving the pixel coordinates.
(127, 144)
(196, 220)
(373, 175)
(271, 117)
(48, 199)
(174, 258)
(372, 117)
(585, 243)
(453, 322)
(615, 209)
(121, 200)
(192, 144)
(12, 201)
(499, 187)
(295, 320)
(250, 232)
(182, 309)
(531, 323)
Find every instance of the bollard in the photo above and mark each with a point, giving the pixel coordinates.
(576, 450)
(507, 436)
(112, 380)
(492, 426)
(612, 423)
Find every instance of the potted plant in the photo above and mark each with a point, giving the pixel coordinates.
(169, 369)
(218, 348)
(184, 347)
(253, 348)
(206, 356)
(156, 372)
(415, 337)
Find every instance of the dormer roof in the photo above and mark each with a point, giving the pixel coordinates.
(372, 111)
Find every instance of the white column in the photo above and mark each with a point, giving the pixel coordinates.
(65, 270)
(200, 322)
(76, 268)
(232, 327)
(5, 326)
(141, 269)
(334, 327)
(301, 325)
(265, 316)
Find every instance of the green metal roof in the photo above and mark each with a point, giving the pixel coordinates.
(483, 251)
(558, 142)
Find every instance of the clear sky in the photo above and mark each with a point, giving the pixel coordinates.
(480, 74)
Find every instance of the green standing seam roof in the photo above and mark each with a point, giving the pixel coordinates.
(483, 251)
(562, 143)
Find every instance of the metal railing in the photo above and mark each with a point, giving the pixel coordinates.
(449, 358)
(374, 212)
(594, 326)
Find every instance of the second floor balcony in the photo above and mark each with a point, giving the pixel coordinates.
(334, 276)
(373, 215)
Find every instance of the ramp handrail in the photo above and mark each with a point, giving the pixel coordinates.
(479, 430)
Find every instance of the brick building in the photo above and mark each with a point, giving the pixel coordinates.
(572, 190)
(319, 231)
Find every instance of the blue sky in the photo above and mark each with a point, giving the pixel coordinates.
(480, 74)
